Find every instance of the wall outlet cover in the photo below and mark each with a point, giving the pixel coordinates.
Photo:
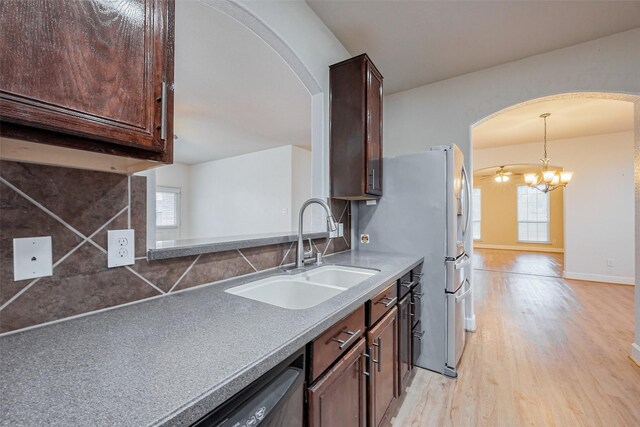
(32, 258)
(364, 238)
(121, 248)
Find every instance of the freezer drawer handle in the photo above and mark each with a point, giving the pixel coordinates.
(344, 343)
(465, 294)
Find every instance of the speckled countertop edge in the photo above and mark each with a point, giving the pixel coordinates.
(204, 246)
(286, 339)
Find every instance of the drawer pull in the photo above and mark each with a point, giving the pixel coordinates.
(418, 335)
(407, 285)
(387, 301)
(378, 344)
(344, 343)
(418, 296)
(367, 372)
(418, 274)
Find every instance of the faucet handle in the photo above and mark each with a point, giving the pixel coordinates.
(309, 253)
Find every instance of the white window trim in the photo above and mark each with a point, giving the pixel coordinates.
(548, 222)
(177, 191)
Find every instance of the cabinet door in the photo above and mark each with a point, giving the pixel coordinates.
(383, 349)
(374, 132)
(404, 342)
(91, 68)
(338, 398)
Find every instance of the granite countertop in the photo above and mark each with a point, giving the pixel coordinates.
(166, 361)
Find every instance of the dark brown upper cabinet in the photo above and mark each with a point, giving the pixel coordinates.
(355, 121)
(89, 75)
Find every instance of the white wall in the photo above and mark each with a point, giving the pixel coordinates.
(598, 203)
(239, 195)
(442, 112)
(300, 184)
(176, 175)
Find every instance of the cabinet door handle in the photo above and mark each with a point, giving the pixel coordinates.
(367, 371)
(387, 302)
(418, 335)
(418, 296)
(344, 343)
(378, 362)
(163, 113)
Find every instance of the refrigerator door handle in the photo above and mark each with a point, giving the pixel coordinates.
(465, 294)
(464, 261)
(467, 204)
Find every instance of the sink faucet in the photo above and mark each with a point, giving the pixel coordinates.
(331, 223)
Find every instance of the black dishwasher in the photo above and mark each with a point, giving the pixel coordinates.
(274, 400)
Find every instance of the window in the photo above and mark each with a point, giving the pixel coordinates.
(533, 215)
(476, 208)
(167, 207)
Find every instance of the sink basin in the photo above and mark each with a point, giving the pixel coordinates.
(303, 290)
(334, 275)
(286, 292)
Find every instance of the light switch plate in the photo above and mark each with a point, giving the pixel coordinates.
(120, 248)
(32, 258)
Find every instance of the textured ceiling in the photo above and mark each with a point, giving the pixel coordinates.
(414, 43)
(233, 94)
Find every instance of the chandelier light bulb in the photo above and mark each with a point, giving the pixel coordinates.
(530, 178)
(548, 176)
(565, 177)
(555, 180)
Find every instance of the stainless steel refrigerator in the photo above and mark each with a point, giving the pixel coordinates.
(425, 210)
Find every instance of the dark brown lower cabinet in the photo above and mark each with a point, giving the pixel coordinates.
(382, 341)
(404, 342)
(339, 398)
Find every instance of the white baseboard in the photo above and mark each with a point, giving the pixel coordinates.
(470, 323)
(618, 280)
(635, 353)
(519, 248)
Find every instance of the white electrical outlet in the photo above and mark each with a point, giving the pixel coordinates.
(32, 257)
(121, 248)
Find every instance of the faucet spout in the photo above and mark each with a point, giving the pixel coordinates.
(331, 225)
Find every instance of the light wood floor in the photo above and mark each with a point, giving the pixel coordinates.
(547, 352)
(535, 263)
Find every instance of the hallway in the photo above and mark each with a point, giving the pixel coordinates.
(547, 352)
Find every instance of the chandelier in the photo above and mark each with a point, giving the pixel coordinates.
(547, 180)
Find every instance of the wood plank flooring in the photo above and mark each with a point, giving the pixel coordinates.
(547, 352)
(536, 263)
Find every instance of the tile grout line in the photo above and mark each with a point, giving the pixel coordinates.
(128, 267)
(32, 200)
(22, 291)
(245, 258)
(287, 254)
(57, 263)
(184, 274)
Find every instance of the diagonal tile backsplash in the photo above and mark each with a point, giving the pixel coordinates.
(76, 208)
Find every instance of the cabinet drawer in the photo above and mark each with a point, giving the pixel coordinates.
(334, 342)
(381, 303)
